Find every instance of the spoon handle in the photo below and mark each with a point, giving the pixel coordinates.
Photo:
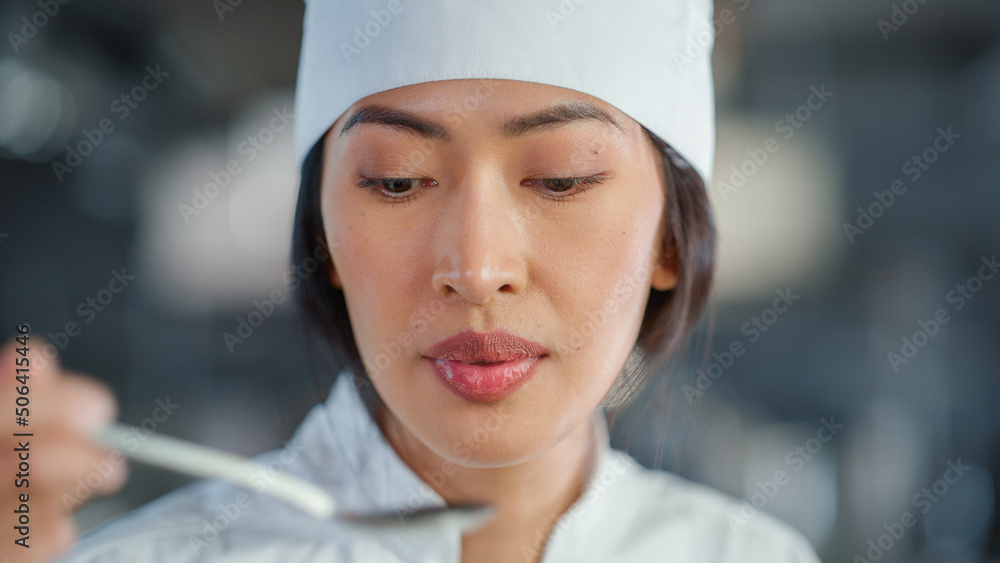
(202, 461)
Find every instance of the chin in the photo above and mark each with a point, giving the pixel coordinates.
(495, 436)
(491, 449)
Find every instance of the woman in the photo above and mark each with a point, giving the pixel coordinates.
(510, 255)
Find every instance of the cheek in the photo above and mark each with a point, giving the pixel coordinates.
(378, 272)
(599, 279)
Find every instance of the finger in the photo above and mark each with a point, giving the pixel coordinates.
(75, 469)
(81, 404)
(52, 530)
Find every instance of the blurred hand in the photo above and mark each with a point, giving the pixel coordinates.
(64, 470)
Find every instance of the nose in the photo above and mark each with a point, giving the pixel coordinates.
(481, 241)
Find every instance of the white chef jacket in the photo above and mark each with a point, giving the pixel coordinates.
(627, 513)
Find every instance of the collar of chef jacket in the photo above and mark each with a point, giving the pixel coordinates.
(625, 513)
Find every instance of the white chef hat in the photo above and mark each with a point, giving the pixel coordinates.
(649, 58)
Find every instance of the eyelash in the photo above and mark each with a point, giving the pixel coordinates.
(584, 182)
(373, 184)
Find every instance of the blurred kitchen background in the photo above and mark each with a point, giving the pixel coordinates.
(857, 201)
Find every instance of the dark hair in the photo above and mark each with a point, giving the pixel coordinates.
(668, 318)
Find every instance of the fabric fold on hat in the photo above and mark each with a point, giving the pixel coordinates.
(649, 58)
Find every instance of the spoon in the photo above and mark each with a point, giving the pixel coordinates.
(203, 461)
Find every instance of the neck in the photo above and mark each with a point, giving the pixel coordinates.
(528, 496)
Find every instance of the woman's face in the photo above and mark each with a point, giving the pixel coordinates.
(469, 235)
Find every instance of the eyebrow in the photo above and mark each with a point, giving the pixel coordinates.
(550, 117)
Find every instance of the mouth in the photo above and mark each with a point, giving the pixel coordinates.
(484, 382)
(485, 367)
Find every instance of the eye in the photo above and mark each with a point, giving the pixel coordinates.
(397, 190)
(394, 190)
(566, 188)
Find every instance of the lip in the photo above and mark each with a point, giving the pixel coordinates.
(512, 362)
